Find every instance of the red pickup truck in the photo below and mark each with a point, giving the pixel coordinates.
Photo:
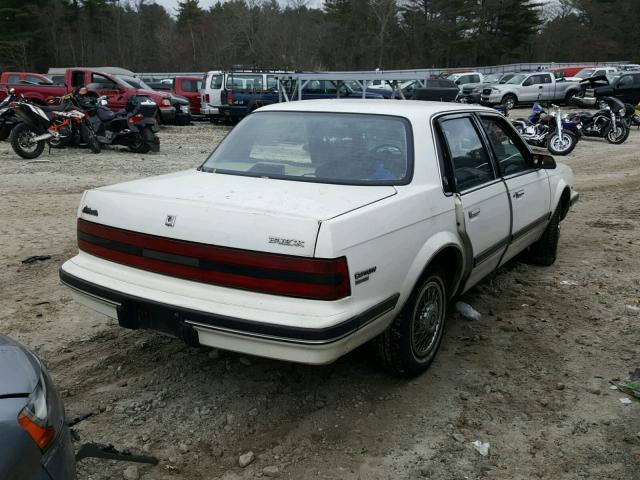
(21, 78)
(187, 87)
(115, 86)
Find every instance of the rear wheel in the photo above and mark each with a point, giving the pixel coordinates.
(562, 146)
(23, 144)
(619, 134)
(411, 342)
(545, 250)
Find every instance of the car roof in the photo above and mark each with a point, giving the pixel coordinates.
(400, 108)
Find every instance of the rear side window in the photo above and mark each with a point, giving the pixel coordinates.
(216, 82)
(471, 164)
(189, 85)
(31, 78)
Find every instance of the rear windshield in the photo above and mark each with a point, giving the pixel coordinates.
(342, 148)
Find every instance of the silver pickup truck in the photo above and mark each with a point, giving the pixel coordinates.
(529, 88)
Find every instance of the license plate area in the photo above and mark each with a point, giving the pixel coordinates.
(148, 316)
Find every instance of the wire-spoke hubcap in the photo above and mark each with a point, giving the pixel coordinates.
(561, 144)
(427, 319)
(26, 142)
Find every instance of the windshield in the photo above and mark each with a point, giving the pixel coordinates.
(342, 148)
(506, 77)
(132, 82)
(453, 76)
(586, 73)
(516, 79)
(493, 78)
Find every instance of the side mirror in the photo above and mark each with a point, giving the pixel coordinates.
(541, 160)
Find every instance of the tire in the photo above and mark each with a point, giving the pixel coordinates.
(21, 145)
(400, 349)
(558, 147)
(618, 136)
(138, 145)
(510, 101)
(545, 250)
(569, 98)
(94, 144)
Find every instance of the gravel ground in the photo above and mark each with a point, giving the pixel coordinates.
(530, 377)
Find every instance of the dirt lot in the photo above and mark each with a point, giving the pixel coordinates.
(531, 377)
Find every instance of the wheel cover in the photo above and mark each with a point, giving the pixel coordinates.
(427, 319)
(25, 142)
(618, 133)
(561, 144)
(510, 102)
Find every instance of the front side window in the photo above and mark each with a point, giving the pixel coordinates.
(13, 79)
(216, 82)
(509, 157)
(625, 81)
(318, 147)
(471, 165)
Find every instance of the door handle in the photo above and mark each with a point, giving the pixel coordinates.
(474, 213)
(518, 194)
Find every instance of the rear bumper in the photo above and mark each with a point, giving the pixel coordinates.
(292, 342)
(209, 110)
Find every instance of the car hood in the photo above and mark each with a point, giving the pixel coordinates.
(228, 210)
(19, 369)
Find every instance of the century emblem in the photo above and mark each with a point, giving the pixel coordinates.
(170, 221)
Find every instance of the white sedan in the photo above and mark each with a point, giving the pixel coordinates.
(316, 226)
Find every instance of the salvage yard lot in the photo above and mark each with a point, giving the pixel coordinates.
(531, 377)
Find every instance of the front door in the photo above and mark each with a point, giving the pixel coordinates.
(483, 195)
(532, 89)
(527, 186)
(628, 88)
(109, 88)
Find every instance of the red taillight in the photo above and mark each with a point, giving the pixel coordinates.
(206, 98)
(314, 278)
(41, 435)
(229, 98)
(135, 118)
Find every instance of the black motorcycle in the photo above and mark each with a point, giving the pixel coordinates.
(60, 125)
(8, 118)
(134, 126)
(613, 122)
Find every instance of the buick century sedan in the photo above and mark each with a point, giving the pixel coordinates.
(316, 226)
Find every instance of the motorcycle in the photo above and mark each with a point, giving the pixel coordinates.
(8, 119)
(635, 117)
(550, 131)
(613, 122)
(60, 125)
(135, 126)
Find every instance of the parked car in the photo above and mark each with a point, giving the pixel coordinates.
(316, 226)
(626, 88)
(15, 78)
(184, 87)
(100, 83)
(525, 88)
(439, 87)
(471, 92)
(215, 82)
(465, 78)
(36, 442)
(592, 72)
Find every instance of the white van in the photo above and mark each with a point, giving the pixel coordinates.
(215, 81)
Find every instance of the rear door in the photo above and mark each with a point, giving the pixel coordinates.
(527, 186)
(483, 195)
(628, 88)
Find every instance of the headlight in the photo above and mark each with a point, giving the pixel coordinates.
(166, 102)
(34, 417)
(184, 108)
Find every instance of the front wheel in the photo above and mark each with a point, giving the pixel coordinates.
(23, 144)
(411, 342)
(562, 146)
(509, 101)
(619, 134)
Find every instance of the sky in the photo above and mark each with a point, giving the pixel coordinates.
(171, 5)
